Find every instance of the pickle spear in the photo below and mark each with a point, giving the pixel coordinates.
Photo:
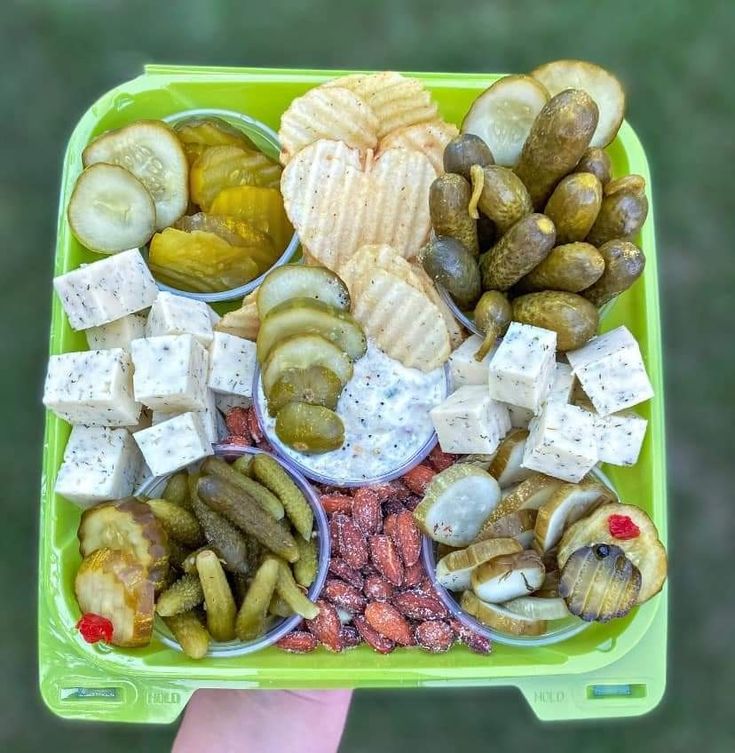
(250, 622)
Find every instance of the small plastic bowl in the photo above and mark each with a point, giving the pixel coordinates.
(286, 459)
(561, 630)
(466, 321)
(285, 625)
(266, 140)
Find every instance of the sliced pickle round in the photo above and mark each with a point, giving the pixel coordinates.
(300, 352)
(308, 316)
(309, 428)
(301, 281)
(315, 385)
(197, 134)
(599, 583)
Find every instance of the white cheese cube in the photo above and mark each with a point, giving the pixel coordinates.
(210, 417)
(522, 369)
(519, 417)
(170, 373)
(214, 317)
(561, 442)
(174, 443)
(175, 315)
(106, 290)
(231, 365)
(93, 387)
(225, 403)
(611, 371)
(117, 334)
(470, 421)
(463, 366)
(619, 437)
(99, 464)
(561, 387)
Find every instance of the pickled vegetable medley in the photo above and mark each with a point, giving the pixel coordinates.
(353, 364)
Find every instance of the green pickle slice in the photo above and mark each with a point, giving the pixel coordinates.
(309, 428)
(315, 385)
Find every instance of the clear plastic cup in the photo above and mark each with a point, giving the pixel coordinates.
(559, 630)
(467, 322)
(266, 139)
(282, 626)
(278, 447)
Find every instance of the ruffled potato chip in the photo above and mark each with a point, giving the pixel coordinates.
(327, 113)
(338, 200)
(428, 138)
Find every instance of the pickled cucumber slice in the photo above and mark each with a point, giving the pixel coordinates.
(517, 525)
(221, 167)
(150, 150)
(308, 316)
(506, 466)
(503, 114)
(314, 385)
(499, 618)
(129, 526)
(454, 570)
(599, 583)
(508, 577)
(110, 210)
(198, 134)
(201, 262)
(113, 584)
(301, 352)
(309, 428)
(528, 495)
(535, 608)
(301, 281)
(261, 207)
(567, 505)
(456, 503)
(645, 550)
(600, 84)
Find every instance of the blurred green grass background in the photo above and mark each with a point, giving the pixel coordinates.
(675, 58)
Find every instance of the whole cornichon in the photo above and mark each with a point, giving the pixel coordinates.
(500, 195)
(559, 137)
(492, 316)
(449, 201)
(571, 267)
(464, 151)
(596, 161)
(522, 248)
(574, 205)
(624, 264)
(573, 318)
(449, 263)
(624, 210)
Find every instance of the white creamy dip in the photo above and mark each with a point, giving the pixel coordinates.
(385, 410)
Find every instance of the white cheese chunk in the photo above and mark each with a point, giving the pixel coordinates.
(470, 421)
(170, 373)
(231, 365)
(522, 368)
(619, 437)
(106, 290)
(519, 417)
(174, 443)
(117, 334)
(92, 387)
(563, 383)
(99, 464)
(175, 315)
(561, 442)
(463, 366)
(611, 371)
(213, 423)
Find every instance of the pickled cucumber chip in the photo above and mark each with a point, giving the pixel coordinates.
(200, 262)
(198, 134)
(338, 201)
(258, 206)
(222, 167)
(150, 150)
(327, 113)
(402, 320)
(600, 84)
(429, 138)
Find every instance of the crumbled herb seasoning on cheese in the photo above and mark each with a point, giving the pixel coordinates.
(385, 409)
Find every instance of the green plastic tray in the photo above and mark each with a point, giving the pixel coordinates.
(610, 670)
